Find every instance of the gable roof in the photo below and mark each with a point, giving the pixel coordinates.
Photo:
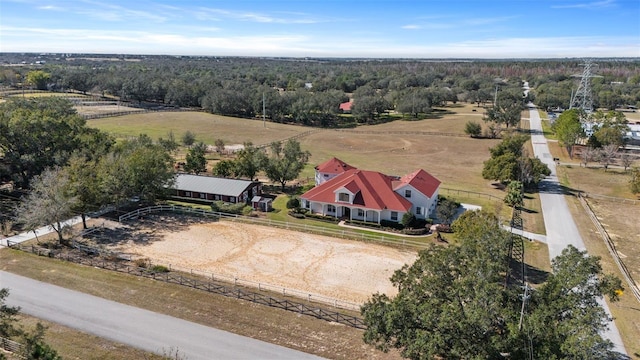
(421, 181)
(211, 185)
(373, 190)
(334, 166)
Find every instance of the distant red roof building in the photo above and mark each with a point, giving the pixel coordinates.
(346, 106)
(344, 191)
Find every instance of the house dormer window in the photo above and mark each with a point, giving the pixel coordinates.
(407, 193)
(344, 197)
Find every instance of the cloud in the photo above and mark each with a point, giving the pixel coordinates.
(293, 18)
(50, 7)
(589, 5)
(24, 39)
(456, 24)
(110, 12)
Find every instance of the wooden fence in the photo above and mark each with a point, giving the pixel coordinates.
(611, 246)
(10, 345)
(405, 133)
(208, 286)
(609, 198)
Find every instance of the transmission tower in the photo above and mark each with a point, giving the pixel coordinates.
(516, 249)
(583, 99)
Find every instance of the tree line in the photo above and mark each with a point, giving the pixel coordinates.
(309, 92)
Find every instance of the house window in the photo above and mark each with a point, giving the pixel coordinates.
(418, 210)
(203, 196)
(217, 197)
(326, 175)
(343, 197)
(394, 215)
(360, 212)
(407, 193)
(187, 193)
(307, 204)
(331, 208)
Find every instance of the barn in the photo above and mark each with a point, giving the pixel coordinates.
(209, 188)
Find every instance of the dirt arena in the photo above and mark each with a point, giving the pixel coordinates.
(336, 268)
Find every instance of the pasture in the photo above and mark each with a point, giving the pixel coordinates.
(437, 144)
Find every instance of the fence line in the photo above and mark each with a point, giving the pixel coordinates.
(611, 247)
(609, 198)
(10, 345)
(423, 133)
(345, 234)
(137, 111)
(210, 286)
(467, 192)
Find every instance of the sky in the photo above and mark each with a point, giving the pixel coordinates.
(325, 28)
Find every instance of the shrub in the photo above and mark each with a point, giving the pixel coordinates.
(416, 231)
(293, 202)
(473, 129)
(408, 220)
(142, 263)
(230, 208)
(297, 215)
(391, 224)
(247, 210)
(159, 269)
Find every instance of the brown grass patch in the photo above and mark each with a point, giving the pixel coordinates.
(279, 327)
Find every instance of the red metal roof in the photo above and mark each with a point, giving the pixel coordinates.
(334, 166)
(346, 106)
(421, 180)
(373, 190)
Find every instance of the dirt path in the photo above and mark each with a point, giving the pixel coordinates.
(342, 269)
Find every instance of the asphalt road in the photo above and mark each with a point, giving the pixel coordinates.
(561, 229)
(134, 326)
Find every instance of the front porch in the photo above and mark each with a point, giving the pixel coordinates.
(351, 213)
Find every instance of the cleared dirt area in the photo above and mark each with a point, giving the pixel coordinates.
(335, 268)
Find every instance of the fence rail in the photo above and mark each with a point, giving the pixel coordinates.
(611, 246)
(10, 345)
(210, 286)
(319, 230)
(422, 133)
(609, 198)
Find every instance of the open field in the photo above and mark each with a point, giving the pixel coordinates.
(280, 327)
(621, 221)
(335, 268)
(102, 109)
(207, 127)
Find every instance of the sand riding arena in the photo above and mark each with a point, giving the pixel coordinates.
(341, 269)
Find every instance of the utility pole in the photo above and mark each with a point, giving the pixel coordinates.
(264, 112)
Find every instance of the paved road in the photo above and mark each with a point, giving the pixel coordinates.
(40, 231)
(133, 326)
(561, 229)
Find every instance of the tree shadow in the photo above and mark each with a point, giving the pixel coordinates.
(144, 230)
(532, 274)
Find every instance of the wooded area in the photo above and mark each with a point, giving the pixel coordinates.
(310, 91)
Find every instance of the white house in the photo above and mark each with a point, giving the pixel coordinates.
(347, 192)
